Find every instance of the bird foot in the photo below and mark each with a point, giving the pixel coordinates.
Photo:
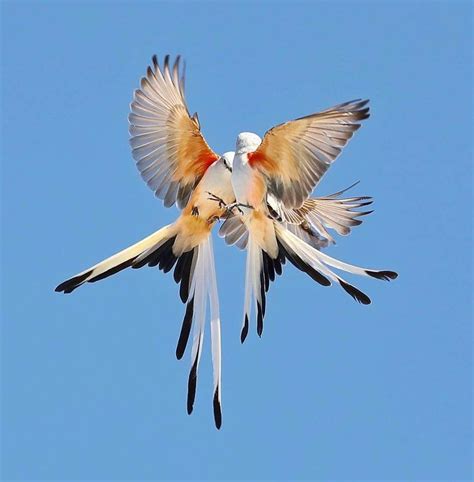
(228, 207)
(213, 197)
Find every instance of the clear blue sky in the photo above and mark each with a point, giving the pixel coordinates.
(334, 390)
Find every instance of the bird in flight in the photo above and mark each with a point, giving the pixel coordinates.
(178, 165)
(261, 191)
(272, 180)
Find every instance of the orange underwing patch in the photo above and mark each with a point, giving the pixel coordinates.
(188, 148)
(205, 159)
(258, 159)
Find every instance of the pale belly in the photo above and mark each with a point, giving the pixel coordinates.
(217, 181)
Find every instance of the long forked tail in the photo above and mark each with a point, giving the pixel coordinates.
(311, 260)
(203, 287)
(194, 271)
(126, 258)
(262, 268)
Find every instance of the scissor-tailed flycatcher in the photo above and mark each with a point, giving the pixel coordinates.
(179, 166)
(270, 186)
(272, 179)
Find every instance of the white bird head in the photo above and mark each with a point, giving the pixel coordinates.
(247, 142)
(228, 158)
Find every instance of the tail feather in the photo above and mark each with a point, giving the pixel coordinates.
(203, 286)
(199, 316)
(248, 291)
(350, 268)
(297, 261)
(115, 263)
(185, 329)
(261, 270)
(256, 274)
(305, 257)
(215, 334)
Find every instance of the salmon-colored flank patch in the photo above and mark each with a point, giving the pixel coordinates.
(259, 159)
(255, 157)
(205, 159)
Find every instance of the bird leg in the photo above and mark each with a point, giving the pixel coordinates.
(238, 206)
(228, 207)
(213, 197)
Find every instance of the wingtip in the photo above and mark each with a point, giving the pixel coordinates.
(178, 60)
(154, 60)
(166, 63)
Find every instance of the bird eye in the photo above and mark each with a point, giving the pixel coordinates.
(227, 166)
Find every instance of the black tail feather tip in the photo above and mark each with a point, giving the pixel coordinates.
(245, 329)
(355, 293)
(259, 320)
(70, 285)
(185, 330)
(192, 385)
(383, 275)
(217, 409)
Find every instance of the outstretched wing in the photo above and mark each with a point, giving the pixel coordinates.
(167, 145)
(310, 222)
(294, 156)
(312, 219)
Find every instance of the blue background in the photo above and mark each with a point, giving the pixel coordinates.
(334, 390)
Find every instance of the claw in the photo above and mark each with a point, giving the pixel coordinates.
(231, 207)
(212, 219)
(213, 197)
(228, 207)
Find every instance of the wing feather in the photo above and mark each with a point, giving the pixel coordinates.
(167, 144)
(295, 156)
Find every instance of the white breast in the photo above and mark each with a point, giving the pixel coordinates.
(217, 181)
(241, 178)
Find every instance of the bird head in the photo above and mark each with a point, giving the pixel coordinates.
(228, 158)
(247, 142)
